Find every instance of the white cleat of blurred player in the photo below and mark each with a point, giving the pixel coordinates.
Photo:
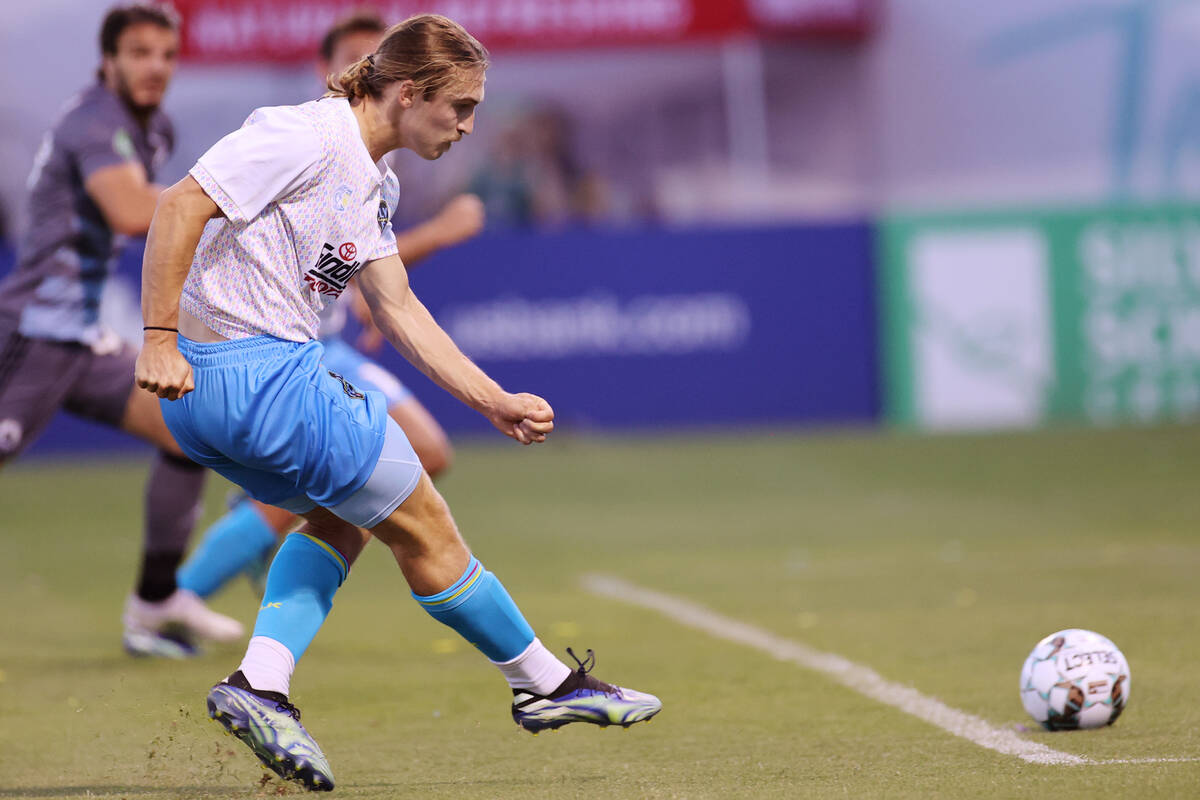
(171, 628)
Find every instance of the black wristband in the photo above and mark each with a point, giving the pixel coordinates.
(158, 328)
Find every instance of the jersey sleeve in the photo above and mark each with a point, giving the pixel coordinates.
(387, 208)
(95, 141)
(387, 244)
(273, 155)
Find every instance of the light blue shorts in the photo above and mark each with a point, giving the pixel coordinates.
(342, 358)
(271, 417)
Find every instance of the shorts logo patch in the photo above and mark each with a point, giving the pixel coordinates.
(347, 387)
(383, 217)
(10, 435)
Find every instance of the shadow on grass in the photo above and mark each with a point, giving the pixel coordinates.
(264, 789)
(127, 791)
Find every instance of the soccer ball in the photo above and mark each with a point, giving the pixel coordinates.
(1075, 679)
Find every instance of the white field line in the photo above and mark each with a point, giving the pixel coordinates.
(863, 680)
(1180, 760)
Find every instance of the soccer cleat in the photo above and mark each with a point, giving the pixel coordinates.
(582, 698)
(270, 726)
(183, 617)
(158, 644)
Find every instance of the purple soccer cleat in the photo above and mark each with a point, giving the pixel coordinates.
(582, 698)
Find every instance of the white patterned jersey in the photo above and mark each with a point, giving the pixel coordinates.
(305, 208)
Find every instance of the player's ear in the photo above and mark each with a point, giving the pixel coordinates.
(407, 93)
(106, 69)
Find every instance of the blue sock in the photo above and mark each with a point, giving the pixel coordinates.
(480, 610)
(300, 587)
(234, 541)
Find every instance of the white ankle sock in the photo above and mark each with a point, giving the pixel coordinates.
(536, 669)
(268, 665)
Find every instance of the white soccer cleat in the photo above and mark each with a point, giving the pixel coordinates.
(183, 611)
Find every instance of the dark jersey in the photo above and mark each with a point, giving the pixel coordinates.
(66, 251)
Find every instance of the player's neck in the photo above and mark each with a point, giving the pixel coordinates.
(378, 134)
(140, 114)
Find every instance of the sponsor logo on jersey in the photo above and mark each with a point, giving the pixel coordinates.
(334, 269)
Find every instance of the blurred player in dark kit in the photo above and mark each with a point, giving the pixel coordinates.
(91, 186)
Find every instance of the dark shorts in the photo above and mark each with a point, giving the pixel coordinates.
(40, 376)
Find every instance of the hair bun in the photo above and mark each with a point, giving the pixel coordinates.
(427, 49)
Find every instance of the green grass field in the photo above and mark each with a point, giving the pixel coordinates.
(938, 562)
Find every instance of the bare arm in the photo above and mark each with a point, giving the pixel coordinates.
(183, 210)
(125, 197)
(410, 327)
(458, 220)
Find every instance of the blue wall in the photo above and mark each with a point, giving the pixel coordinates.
(647, 328)
(664, 327)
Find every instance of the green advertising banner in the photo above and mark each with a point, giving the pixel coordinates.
(1018, 318)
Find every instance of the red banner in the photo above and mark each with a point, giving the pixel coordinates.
(228, 31)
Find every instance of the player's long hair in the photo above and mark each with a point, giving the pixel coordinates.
(428, 49)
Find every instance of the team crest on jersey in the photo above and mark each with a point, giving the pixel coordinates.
(347, 387)
(341, 198)
(122, 145)
(383, 217)
(334, 269)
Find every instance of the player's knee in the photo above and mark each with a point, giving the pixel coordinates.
(436, 457)
(335, 532)
(277, 519)
(422, 522)
(175, 457)
(432, 448)
(168, 447)
(320, 522)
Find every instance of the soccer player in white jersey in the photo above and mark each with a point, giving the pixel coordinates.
(244, 538)
(242, 255)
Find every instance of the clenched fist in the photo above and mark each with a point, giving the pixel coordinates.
(524, 417)
(161, 369)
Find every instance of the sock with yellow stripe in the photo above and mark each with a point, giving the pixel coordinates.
(304, 576)
(481, 611)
